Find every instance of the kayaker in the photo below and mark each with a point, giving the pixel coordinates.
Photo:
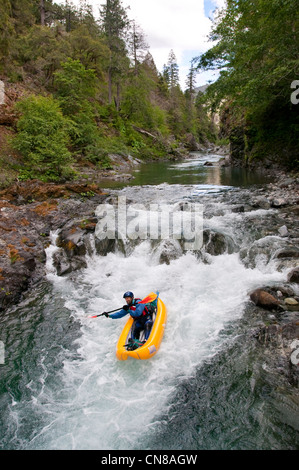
(141, 314)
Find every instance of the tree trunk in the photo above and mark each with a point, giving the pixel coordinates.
(109, 85)
(117, 101)
(42, 12)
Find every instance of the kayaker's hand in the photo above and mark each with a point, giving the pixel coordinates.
(126, 307)
(106, 314)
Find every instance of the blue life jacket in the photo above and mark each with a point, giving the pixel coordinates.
(131, 311)
(133, 308)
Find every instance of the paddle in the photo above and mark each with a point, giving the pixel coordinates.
(104, 313)
(146, 300)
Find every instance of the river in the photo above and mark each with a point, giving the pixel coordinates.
(63, 388)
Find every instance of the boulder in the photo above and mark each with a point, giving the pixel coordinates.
(279, 202)
(280, 335)
(263, 299)
(65, 265)
(291, 301)
(293, 275)
(217, 243)
(287, 252)
(291, 304)
(71, 240)
(168, 250)
(283, 231)
(261, 202)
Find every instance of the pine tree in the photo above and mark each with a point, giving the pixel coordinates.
(173, 71)
(191, 79)
(115, 26)
(190, 93)
(137, 45)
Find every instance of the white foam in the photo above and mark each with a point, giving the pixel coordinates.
(107, 404)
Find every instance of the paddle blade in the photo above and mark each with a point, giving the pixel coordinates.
(97, 316)
(149, 298)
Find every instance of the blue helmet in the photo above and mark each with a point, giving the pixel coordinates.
(128, 294)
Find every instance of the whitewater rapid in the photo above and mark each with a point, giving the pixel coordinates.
(106, 404)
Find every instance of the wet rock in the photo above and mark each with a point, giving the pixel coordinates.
(105, 245)
(283, 231)
(280, 354)
(23, 238)
(167, 251)
(71, 255)
(265, 249)
(287, 252)
(287, 263)
(279, 202)
(34, 190)
(216, 243)
(224, 162)
(72, 241)
(76, 240)
(280, 333)
(283, 291)
(291, 303)
(239, 208)
(265, 300)
(261, 202)
(25, 234)
(293, 276)
(61, 263)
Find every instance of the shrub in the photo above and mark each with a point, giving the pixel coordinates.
(43, 138)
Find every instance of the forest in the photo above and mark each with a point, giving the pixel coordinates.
(88, 87)
(257, 51)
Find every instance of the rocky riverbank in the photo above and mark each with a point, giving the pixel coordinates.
(30, 211)
(276, 308)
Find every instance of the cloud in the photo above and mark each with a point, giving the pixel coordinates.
(181, 25)
(171, 24)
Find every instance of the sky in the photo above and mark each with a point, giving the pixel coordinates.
(180, 25)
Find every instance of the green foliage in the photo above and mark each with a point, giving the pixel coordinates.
(74, 85)
(75, 88)
(42, 138)
(105, 94)
(257, 51)
(6, 30)
(172, 71)
(115, 24)
(138, 108)
(89, 48)
(40, 52)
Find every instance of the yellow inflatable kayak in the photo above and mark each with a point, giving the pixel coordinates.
(151, 346)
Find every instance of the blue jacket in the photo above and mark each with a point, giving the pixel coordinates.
(134, 313)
